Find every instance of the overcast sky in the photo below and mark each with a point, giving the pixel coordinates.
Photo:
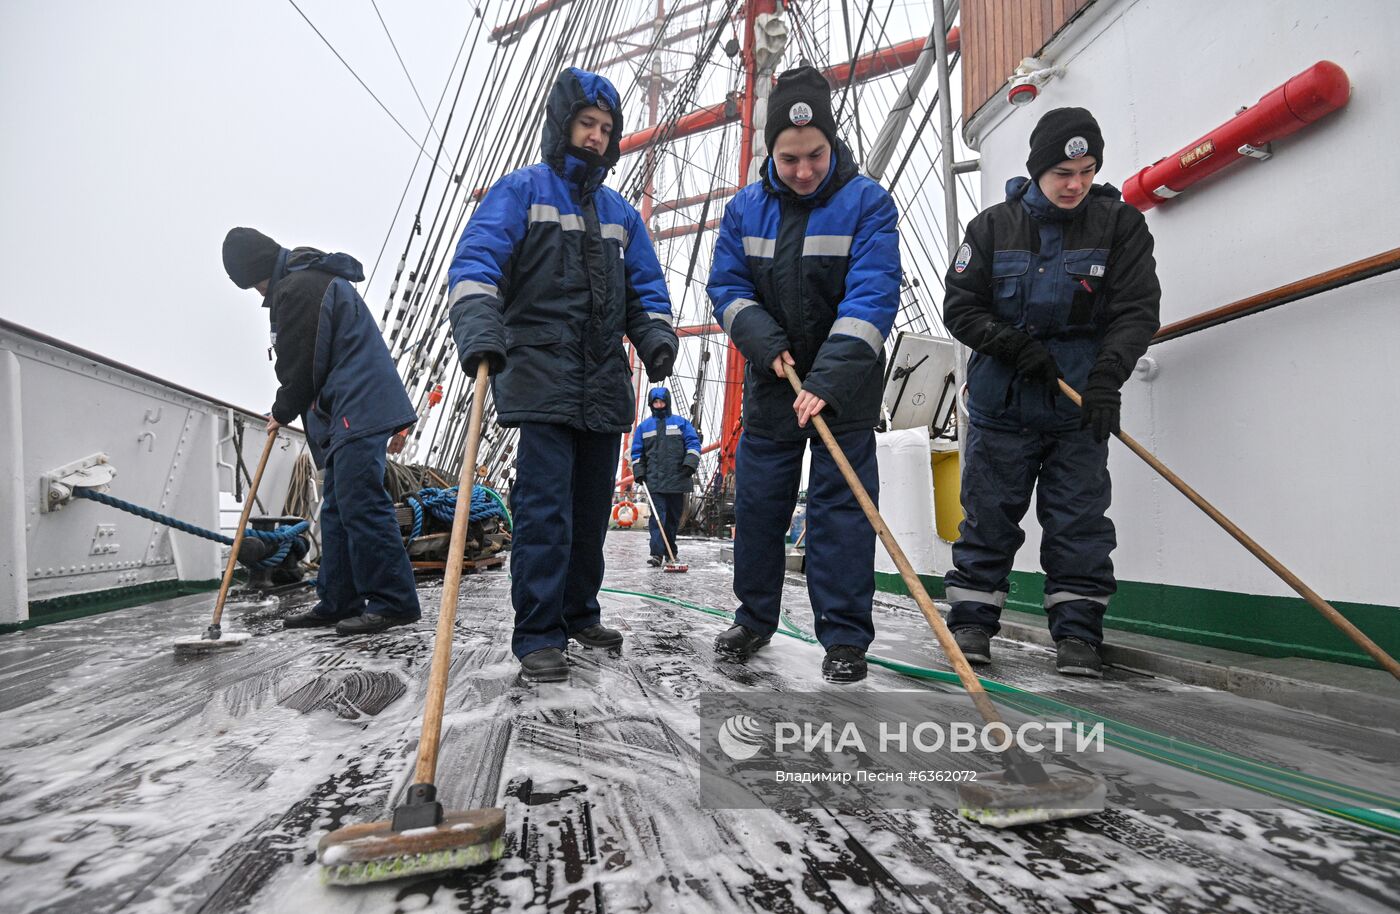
(134, 134)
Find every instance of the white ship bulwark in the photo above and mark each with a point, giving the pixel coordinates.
(172, 449)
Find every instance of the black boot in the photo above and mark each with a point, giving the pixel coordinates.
(548, 665)
(1077, 658)
(975, 644)
(739, 643)
(654, 561)
(371, 623)
(844, 663)
(598, 635)
(309, 619)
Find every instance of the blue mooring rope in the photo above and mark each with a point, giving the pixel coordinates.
(286, 538)
(442, 504)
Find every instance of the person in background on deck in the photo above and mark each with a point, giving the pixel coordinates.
(550, 272)
(665, 455)
(336, 374)
(1056, 282)
(806, 273)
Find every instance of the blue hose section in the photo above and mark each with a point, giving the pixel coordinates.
(287, 539)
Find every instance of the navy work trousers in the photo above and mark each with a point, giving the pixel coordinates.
(840, 541)
(666, 516)
(1068, 472)
(560, 504)
(364, 565)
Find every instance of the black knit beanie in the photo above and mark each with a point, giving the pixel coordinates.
(249, 256)
(801, 98)
(1064, 133)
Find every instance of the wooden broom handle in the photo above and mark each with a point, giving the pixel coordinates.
(1292, 580)
(906, 570)
(431, 736)
(670, 553)
(242, 526)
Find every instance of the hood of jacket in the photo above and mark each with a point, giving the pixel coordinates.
(659, 393)
(298, 259)
(573, 91)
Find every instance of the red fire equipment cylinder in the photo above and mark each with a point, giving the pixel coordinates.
(1317, 91)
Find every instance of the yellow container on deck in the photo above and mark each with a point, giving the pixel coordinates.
(947, 493)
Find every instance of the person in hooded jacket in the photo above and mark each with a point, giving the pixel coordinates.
(806, 273)
(1057, 281)
(550, 272)
(665, 455)
(336, 374)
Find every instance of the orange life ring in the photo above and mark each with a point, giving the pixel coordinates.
(631, 514)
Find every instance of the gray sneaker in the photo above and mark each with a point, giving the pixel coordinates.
(975, 644)
(1077, 658)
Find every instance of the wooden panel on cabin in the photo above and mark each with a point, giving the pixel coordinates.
(996, 34)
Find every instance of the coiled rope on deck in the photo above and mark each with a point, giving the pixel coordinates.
(442, 505)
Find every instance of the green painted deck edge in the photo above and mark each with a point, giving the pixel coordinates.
(1249, 623)
(77, 606)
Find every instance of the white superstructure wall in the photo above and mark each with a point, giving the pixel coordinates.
(1287, 420)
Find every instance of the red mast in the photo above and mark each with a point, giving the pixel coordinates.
(734, 362)
(648, 202)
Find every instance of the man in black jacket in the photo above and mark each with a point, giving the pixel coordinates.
(336, 374)
(1058, 281)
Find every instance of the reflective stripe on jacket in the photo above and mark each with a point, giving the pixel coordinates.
(817, 276)
(550, 273)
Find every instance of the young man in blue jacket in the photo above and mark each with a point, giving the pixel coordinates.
(665, 455)
(806, 273)
(551, 271)
(1057, 281)
(336, 374)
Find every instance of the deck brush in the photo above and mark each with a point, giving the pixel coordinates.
(1025, 791)
(421, 837)
(214, 640)
(375, 852)
(672, 566)
(1002, 801)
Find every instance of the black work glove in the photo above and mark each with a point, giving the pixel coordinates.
(660, 367)
(639, 475)
(1006, 343)
(1035, 363)
(1102, 406)
(495, 362)
(687, 469)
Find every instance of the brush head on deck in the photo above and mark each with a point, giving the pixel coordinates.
(676, 567)
(374, 852)
(1001, 802)
(188, 647)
